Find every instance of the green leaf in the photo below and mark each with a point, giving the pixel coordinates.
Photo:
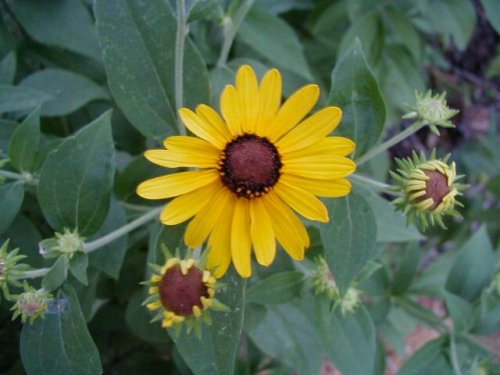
(491, 12)
(407, 269)
(215, 352)
(24, 143)
(139, 320)
(276, 289)
(349, 340)
(349, 238)
(56, 275)
(138, 40)
(8, 68)
(473, 267)
(11, 199)
(60, 23)
(60, 344)
(77, 178)
(109, 258)
(355, 90)
(460, 310)
(78, 266)
(285, 333)
(70, 91)
(391, 224)
(283, 49)
(428, 360)
(17, 98)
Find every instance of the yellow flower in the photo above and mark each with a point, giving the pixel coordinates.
(252, 168)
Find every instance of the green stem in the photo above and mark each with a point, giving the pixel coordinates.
(376, 184)
(110, 237)
(35, 273)
(182, 31)
(437, 324)
(26, 178)
(231, 27)
(390, 142)
(453, 354)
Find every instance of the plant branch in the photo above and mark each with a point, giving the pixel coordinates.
(390, 142)
(182, 32)
(374, 183)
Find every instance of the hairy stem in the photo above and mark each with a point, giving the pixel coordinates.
(390, 142)
(182, 31)
(376, 184)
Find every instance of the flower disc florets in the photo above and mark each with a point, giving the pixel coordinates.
(31, 304)
(428, 189)
(182, 292)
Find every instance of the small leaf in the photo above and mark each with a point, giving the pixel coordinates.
(60, 343)
(70, 91)
(17, 98)
(355, 90)
(60, 23)
(56, 275)
(460, 310)
(429, 359)
(24, 143)
(138, 41)
(283, 49)
(473, 267)
(491, 12)
(8, 68)
(276, 289)
(349, 340)
(77, 178)
(78, 266)
(349, 238)
(11, 199)
(407, 269)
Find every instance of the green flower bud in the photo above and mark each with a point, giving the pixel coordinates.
(10, 268)
(67, 243)
(31, 304)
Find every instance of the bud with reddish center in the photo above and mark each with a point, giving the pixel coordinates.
(31, 304)
(428, 189)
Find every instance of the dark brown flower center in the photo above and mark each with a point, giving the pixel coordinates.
(436, 187)
(250, 165)
(180, 293)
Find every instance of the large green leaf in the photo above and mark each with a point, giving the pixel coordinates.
(109, 258)
(77, 178)
(278, 288)
(349, 340)
(24, 143)
(473, 267)
(348, 238)
(69, 91)
(491, 8)
(60, 344)
(355, 90)
(138, 40)
(8, 68)
(215, 352)
(59, 23)
(17, 98)
(11, 199)
(391, 224)
(283, 48)
(285, 333)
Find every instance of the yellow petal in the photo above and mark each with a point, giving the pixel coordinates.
(248, 92)
(322, 188)
(211, 117)
(330, 146)
(176, 184)
(200, 227)
(241, 244)
(187, 205)
(311, 130)
(288, 229)
(201, 128)
(185, 143)
(262, 233)
(293, 110)
(320, 167)
(270, 100)
(219, 255)
(302, 201)
(177, 159)
(230, 108)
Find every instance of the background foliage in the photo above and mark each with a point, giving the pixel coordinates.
(86, 87)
